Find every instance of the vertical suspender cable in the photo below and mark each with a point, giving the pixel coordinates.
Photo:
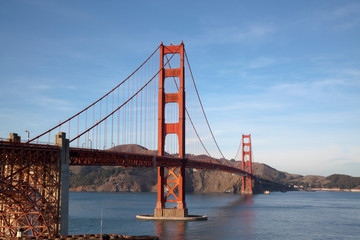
(100, 127)
(69, 129)
(93, 133)
(118, 120)
(86, 126)
(136, 109)
(106, 129)
(124, 119)
(78, 130)
(112, 121)
(187, 113)
(141, 107)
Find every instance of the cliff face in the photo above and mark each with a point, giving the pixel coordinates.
(211, 181)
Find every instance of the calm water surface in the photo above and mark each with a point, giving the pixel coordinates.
(291, 215)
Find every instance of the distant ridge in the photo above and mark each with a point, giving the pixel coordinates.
(115, 179)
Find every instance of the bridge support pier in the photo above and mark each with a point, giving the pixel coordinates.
(174, 181)
(170, 213)
(63, 143)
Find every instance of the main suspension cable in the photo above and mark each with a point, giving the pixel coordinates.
(238, 151)
(207, 122)
(187, 113)
(135, 94)
(95, 101)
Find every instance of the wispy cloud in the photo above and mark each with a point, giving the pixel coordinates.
(345, 10)
(252, 105)
(340, 17)
(345, 26)
(233, 34)
(252, 31)
(315, 87)
(334, 83)
(53, 103)
(262, 62)
(62, 10)
(41, 87)
(34, 84)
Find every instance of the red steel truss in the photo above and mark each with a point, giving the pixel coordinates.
(246, 187)
(29, 189)
(94, 157)
(30, 182)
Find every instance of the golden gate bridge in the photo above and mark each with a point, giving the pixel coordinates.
(144, 121)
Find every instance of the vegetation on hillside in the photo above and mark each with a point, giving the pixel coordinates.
(93, 176)
(202, 180)
(343, 181)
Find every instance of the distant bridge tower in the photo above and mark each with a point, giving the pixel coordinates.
(246, 187)
(171, 178)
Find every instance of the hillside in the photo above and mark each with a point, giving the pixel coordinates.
(118, 179)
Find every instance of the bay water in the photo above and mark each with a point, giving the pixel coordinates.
(290, 215)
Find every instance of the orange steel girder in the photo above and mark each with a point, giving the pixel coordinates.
(174, 181)
(29, 190)
(246, 187)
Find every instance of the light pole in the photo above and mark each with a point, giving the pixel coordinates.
(28, 134)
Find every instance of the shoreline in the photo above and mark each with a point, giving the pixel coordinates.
(334, 190)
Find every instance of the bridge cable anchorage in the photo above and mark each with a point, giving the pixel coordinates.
(77, 114)
(202, 108)
(108, 115)
(187, 113)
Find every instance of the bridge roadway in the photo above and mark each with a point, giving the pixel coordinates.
(94, 157)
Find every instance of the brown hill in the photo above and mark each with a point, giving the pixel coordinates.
(115, 179)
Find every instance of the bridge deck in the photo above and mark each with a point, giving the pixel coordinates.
(94, 157)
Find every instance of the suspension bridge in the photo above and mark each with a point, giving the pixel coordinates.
(144, 121)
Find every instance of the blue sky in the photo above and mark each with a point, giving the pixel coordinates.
(288, 72)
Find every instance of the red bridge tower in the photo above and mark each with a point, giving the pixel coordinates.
(171, 178)
(246, 187)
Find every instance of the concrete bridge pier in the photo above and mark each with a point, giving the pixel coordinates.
(14, 137)
(64, 156)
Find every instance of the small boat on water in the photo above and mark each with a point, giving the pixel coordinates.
(267, 192)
